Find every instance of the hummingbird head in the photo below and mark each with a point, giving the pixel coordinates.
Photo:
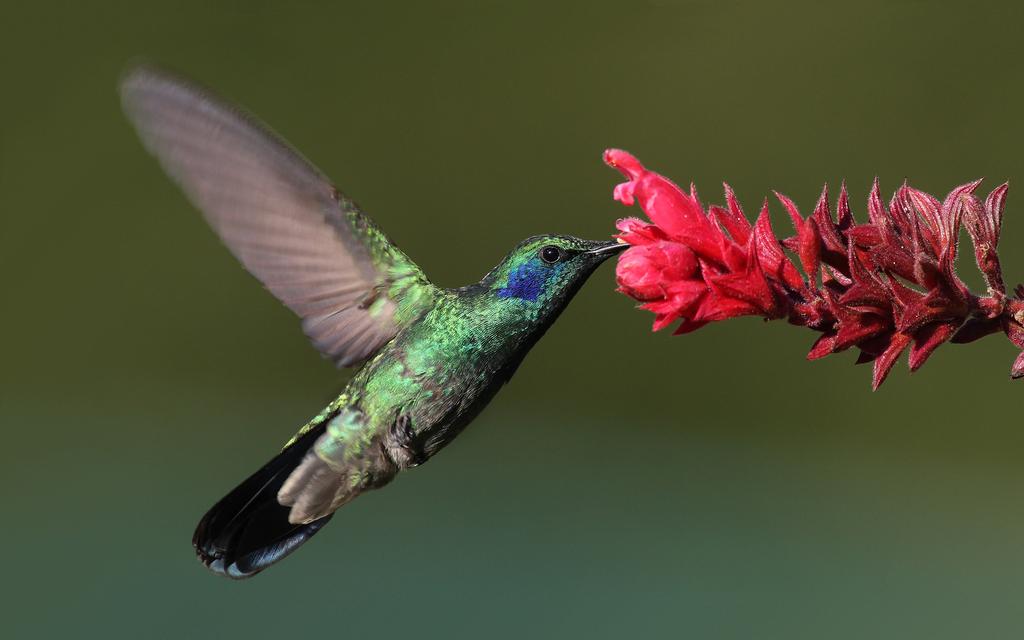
(542, 274)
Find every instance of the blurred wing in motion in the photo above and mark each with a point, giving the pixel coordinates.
(303, 239)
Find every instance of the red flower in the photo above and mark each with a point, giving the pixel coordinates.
(885, 286)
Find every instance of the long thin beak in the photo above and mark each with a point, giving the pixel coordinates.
(608, 249)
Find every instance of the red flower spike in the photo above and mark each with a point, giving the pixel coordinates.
(903, 296)
(856, 327)
(1017, 370)
(732, 220)
(644, 269)
(992, 222)
(887, 286)
(636, 231)
(770, 252)
(951, 215)
(1015, 332)
(845, 218)
(934, 306)
(833, 247)
(877, 214)
(810, 249)
(984, 224)
(871, 349)
(678, 214)
(714, 308)
(808, 243)
(885, 361)
(823, 346)
(866, 288)
(791, 209)
(839, 277)
(865, 236)
(740, 228)
(750, 287)
(900, 212)
(926, 340)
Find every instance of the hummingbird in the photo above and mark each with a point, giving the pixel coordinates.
(430, 358)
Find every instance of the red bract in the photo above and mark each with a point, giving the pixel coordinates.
(884, 286)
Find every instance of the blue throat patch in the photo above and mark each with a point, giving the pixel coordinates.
(525, 282)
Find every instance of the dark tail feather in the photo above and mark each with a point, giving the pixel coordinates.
(248, 530)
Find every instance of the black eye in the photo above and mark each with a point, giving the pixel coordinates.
(550, 254)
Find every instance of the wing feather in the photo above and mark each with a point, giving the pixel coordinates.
(279, 215)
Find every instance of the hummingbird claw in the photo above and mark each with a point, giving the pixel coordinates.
(402, 445)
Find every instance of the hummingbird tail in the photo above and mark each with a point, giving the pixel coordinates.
(248, 530)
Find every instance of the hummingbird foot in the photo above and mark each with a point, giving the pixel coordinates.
(401, 443)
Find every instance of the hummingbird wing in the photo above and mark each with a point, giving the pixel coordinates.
(280, 216)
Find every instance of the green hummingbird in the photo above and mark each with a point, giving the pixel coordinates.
(431, 358)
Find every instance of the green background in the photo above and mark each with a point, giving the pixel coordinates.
(625, 484)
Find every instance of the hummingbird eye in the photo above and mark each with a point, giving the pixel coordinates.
(551, 254)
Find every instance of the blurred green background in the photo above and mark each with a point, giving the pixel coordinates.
(625, 484)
